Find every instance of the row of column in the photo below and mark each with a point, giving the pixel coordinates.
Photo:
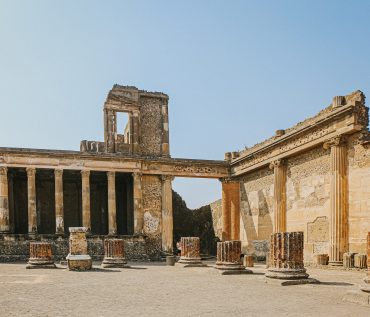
(59, 213)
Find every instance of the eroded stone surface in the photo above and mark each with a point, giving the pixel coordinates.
(78, 259)
(40, 256)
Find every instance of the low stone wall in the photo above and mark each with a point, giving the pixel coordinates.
(15, 247)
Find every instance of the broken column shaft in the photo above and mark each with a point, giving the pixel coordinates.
(190, 251)
(114, 254)
(228, 258)
(41, 256)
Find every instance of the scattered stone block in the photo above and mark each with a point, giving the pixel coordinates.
(114, 254)
(228, 258)
(41, 256)
(78, 259)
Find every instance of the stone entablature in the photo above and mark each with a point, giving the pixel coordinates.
(349, 117)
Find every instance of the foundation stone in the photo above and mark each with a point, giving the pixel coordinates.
(40, 256)
(78, 259)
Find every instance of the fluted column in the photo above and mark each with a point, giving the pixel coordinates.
(4, 200)
(167, 214)
(279, 168)
(86, 218)
(138, 204)
(59, 214)
(338, 200)
(230, 210)
(31, 188)
(112, 221)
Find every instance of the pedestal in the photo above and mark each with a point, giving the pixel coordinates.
(286, 259)
(228, 258)
(114, 254)
(190, 252)
(78, 259)
(40, 256)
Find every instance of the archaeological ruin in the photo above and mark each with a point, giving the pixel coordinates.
(312, 178)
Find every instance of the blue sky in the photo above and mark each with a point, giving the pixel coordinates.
(235, 71)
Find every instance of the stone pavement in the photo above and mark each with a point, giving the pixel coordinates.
(153, 289)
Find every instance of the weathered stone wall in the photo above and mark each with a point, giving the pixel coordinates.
(256, 211)
(216, 209)
(151, 126)
(308, 199)
(152, 208)
(358, 193)
(16, 247)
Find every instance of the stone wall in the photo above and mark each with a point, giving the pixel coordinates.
(151, 126)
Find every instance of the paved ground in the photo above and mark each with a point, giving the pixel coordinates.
(158, 290)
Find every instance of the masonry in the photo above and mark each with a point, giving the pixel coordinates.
(313, 177)
(120, 187)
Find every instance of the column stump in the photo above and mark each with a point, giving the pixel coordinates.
(78, 259)
(41, 256)
(286, 260)
(114, 254)
(349, 260)
(360, 261)
(248, 261)
(190, 252)
(228, 258)
(321, 259)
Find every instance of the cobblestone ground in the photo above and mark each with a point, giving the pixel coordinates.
(158, 290)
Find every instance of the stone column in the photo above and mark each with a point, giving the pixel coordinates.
(135, 132)
(338, 200)
(114, 254)
(190, 251)
(230, 210)
(165, 131)
(112, 221)
(31, 188)
(167, 214)
(138, 204)
(4, 200)
(366, 287)
(279, 168)
(86, 219)
(59, 215)
(286, 258)
(110, 119)
(40, 256)
(228, 258)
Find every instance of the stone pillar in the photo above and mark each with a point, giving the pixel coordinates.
(230, 210)
(338, 200)
(40, 256)
(77, 258)
(138, 204)
(86, 218)
(228, 258)
(31, 188)
(110, 124)
(114, 254)
(279, 168)
(59, 215)
(286, 257)
(167, 214)
(112, 220)
(165, 132)
(190, 251)
(135, 132)
(4, 200)
(366, 286)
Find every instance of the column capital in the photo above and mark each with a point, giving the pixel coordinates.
(167, 178)
(277, 163)
(336, 141)
(31, 171)
(137, 174)
(228, 180)
(58, 172)
(3, 170)
(111, 174)
(85, 173)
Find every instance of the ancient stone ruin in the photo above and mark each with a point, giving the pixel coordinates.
(190, 252)
(228, 258)
(78, 258)
(41, 256)
(114, 254)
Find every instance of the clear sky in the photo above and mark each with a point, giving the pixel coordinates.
(235, 71)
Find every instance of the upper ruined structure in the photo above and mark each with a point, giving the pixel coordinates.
(146, 132)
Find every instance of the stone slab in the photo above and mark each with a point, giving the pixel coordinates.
(41, 266)
(357, 297)
(280, 282)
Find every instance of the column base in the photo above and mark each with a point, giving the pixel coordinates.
(114, 263)
(79, 262)
(232, 269)
(336, 263)
(190, 261)
(40, 264)
(287, 274)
